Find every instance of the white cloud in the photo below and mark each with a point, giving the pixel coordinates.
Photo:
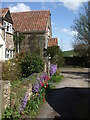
(65, 30)
(44, 5)
(73, 5)
(69, 32)
(53, 23)
(20, 7)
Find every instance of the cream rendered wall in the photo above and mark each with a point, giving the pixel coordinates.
(2, 47)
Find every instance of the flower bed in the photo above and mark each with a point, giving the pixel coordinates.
(22, 105)
(38, 96)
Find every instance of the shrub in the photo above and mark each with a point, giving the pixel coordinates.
(56, 77)
(56, 55)
(11, 71)
(31, 63)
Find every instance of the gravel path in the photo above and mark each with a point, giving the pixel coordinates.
(70, 97)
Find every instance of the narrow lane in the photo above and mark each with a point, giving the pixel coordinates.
(70, 98)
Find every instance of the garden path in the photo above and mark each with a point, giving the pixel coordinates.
(70, 97)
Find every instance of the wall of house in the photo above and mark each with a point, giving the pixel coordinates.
(9, 46)
(2, 45)
(28, 42)
(48, 33)
(9, 43)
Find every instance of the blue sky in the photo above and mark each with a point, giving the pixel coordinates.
(62, 16)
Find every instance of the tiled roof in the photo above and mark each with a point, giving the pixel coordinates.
(30, 21)
(52, 42)
(3, 12)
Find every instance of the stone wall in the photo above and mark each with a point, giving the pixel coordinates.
(4, 95)
(29, 91)
(9, 41)
(0, 70)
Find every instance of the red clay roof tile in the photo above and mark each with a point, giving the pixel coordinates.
(52, 42)
(30, 21)
(3, 12)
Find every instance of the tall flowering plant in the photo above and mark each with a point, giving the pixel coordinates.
(53, 69)
(23, 103)
(42, 83)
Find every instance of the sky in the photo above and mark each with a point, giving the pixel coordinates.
(62, 17)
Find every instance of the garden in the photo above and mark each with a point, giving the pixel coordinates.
(23, 70)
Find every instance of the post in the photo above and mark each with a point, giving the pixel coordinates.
(49, 67)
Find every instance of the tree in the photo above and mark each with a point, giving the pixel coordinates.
(82, 39)
(56, 55)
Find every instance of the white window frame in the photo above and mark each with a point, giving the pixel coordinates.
(8, 26)
(8, 54)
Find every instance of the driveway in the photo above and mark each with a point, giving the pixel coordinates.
(70, 98)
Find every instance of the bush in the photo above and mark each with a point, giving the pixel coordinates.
(56, 55)
(56, 77)
(11, 71)
(31, 63)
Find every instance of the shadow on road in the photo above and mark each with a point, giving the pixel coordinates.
(70, 102)
(83, 74)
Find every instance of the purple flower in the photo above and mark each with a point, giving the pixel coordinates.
(23, 103)
(24, 100)
(36, 87)
(21, 108)
(53, 69)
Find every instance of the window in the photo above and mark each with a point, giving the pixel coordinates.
(8, 54)
(8, 28)
(11, 54)
(4, 24)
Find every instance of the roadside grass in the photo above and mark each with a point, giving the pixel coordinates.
(56, 78)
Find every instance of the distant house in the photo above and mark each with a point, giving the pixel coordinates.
(52, 42)
(6, 35)
(37, 22)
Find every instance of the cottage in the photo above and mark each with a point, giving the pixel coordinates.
(26, 23)
(6, 35)
(33, 22)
